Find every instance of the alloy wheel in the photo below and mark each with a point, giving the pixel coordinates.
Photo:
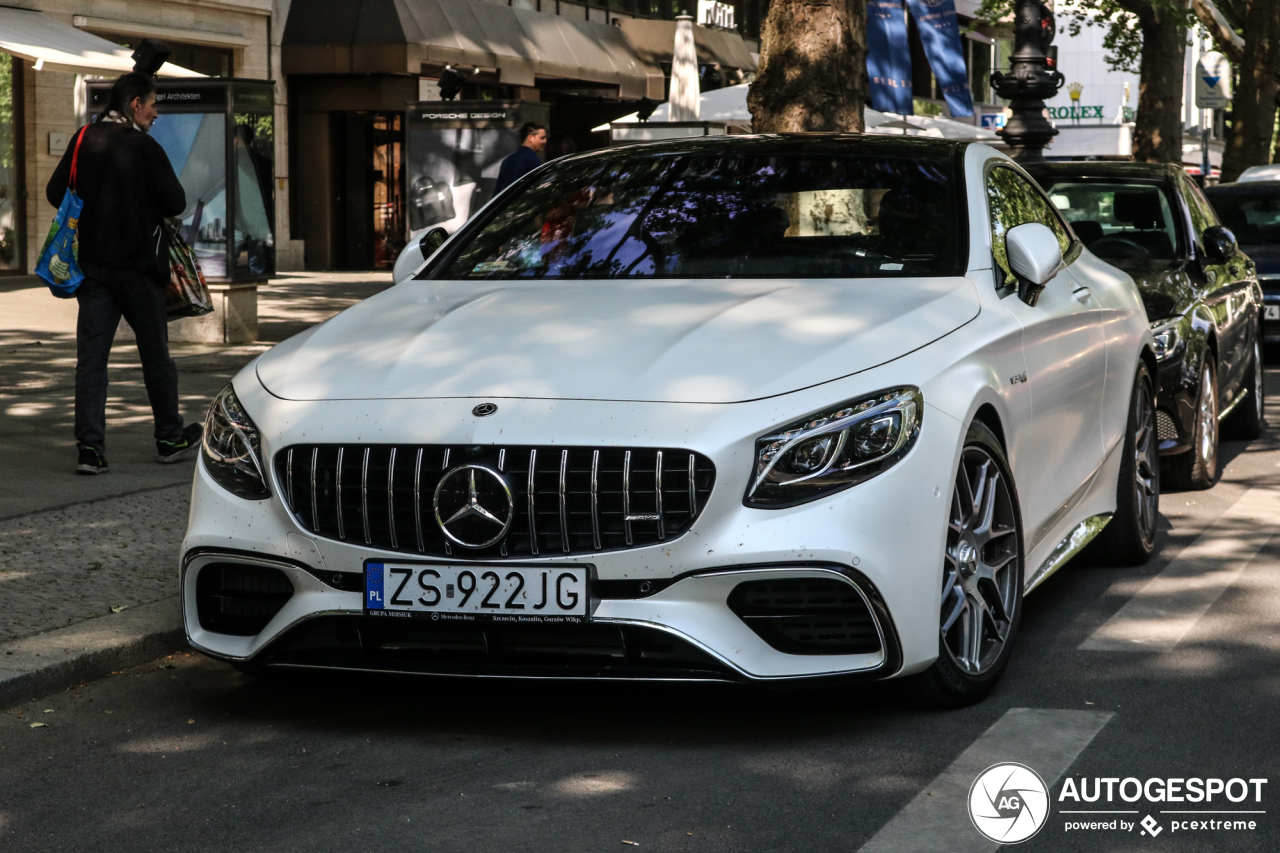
(1146, 482)
(981, 571)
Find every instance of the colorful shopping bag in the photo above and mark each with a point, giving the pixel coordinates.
(59, 263)
(187, 294)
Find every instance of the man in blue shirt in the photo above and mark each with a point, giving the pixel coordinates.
(533, 138)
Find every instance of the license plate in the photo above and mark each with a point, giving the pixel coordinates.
(476, 593)
(1271, 312)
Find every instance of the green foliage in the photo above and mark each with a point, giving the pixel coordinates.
(7, 147)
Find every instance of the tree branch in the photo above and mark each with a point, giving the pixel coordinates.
(1226, 38)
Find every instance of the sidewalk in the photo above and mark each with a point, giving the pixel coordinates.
(88, 564)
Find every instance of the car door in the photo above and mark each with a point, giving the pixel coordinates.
(1227, 293)
(1061, 445)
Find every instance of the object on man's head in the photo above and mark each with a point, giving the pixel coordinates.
(450, 83)
(150, 55)
(645, 108)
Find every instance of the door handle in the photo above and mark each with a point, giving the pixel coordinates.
(1082, 295)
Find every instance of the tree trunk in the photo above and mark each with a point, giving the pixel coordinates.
(813, 67)
(1157, 133)
(1253, 110)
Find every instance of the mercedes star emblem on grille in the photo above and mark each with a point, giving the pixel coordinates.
(484, 410)
(474, 506)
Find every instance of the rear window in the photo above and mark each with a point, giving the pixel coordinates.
(1254, 219)
(719, 216)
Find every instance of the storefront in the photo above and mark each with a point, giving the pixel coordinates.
(357, 70)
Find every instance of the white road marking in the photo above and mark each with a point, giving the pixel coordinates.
(1163, 611)
(937, 820)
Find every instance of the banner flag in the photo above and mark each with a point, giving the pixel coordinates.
(940, 33)
(888, 57)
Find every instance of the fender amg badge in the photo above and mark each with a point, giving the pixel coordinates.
(484, 410)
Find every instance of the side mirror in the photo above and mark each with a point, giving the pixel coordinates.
(1034, 256)
(431, 241)
(1219, 244)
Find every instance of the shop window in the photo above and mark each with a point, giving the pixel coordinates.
(11, 236)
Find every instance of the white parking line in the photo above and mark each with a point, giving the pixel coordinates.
(937, 820)
(1163, 611)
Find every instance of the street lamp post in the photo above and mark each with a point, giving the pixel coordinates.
(1031, 78)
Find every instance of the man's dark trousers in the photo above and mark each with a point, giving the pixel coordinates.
(105, 295)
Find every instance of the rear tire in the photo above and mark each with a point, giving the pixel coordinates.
(1195, 469)
(1246, 422)
(982, 580)
(1130, 537)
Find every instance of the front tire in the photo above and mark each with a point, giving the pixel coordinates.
(1195, 469)
(982, 579)
(1130, 537)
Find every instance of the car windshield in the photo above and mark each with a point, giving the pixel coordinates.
(1118, 220)
(719, 215)
(1254, 219)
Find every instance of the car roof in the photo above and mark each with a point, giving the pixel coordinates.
(883, 145)
(1112, 169)
(1245, 188)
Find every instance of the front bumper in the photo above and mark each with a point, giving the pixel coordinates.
(885, 538)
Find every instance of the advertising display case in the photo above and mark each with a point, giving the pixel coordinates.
(219, 134)
(455, 149)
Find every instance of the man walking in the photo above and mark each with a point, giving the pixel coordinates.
(128, 186)
(533, 138)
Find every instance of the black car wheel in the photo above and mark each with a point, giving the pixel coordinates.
(1246, 422)
(982, 577)
(1196, 468)
(1130, 537)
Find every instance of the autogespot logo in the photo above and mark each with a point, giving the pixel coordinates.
(1008, 803)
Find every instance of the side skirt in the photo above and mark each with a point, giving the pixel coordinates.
(1081, 535)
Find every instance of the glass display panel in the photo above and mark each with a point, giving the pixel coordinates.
(254, 151)
(197, 147)
(10, 238)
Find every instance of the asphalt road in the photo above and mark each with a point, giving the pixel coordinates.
(189, 754)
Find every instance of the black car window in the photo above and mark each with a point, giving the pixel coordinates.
(1013, 200)
(1254, 219)
(1202, 215)
(720, 215)
(1119, 220)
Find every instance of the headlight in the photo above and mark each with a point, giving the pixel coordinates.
(232, 450)
(1167, 341)
(834, 450)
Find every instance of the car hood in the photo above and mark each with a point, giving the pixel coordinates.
(664, 341)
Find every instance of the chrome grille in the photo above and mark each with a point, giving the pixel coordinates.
(1165, 429)
(568, 500)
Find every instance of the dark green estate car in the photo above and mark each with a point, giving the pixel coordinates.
(1201, 293)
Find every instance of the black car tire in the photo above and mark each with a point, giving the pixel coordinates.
(1196, 469)
(1130, 537)
(1246, 422)
(949, 683)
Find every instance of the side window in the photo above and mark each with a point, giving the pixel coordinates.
(1202, 214)
(1012, 201)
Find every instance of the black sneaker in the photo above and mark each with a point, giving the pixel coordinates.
(172, 451)
(91, 462)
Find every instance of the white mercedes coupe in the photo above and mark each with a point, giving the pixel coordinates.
(751, 408)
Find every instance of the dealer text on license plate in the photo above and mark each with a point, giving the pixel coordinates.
(469, 593)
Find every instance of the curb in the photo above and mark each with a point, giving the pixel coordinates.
(49, 662)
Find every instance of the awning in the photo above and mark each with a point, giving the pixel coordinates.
(654, 41)
(55, 46)
(400, 36)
